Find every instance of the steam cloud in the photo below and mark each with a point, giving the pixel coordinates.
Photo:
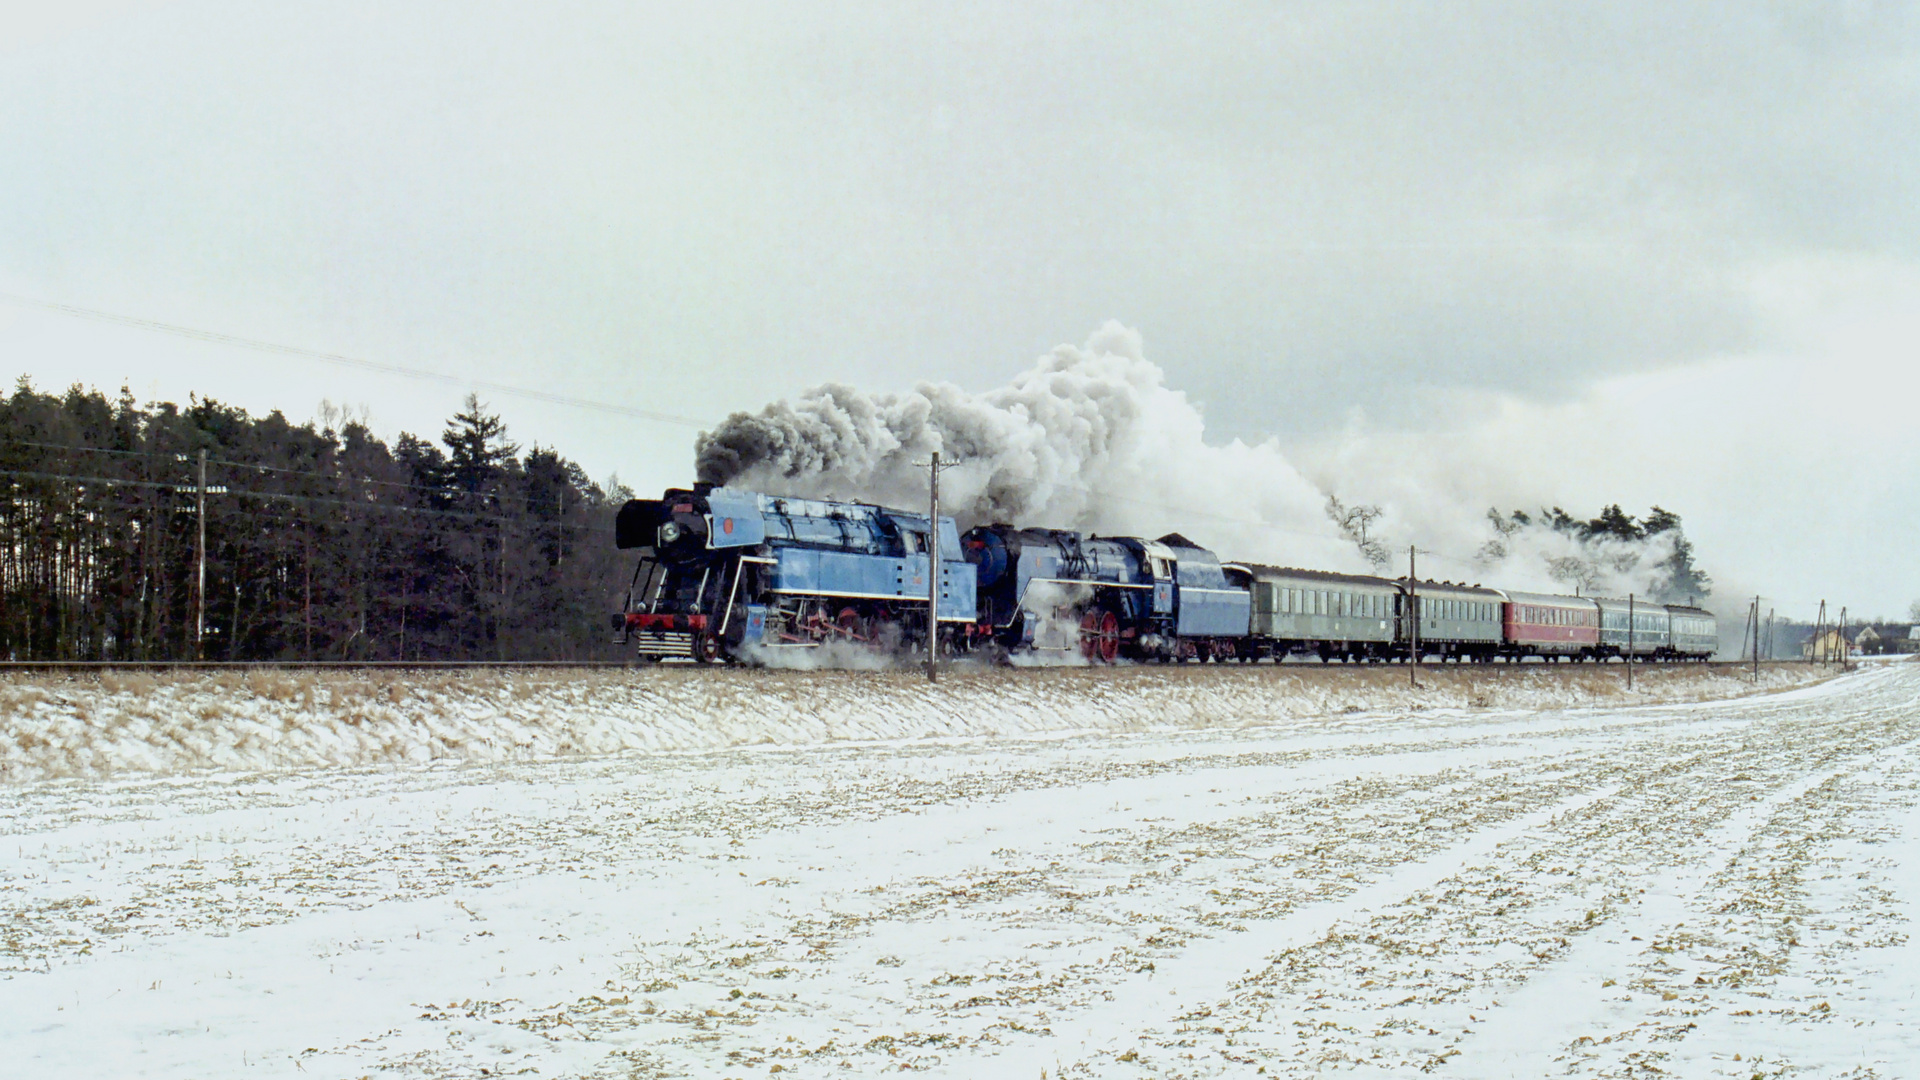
(1093, 438)
(1089, 438)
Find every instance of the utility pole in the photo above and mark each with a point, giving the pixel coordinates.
(1840, 639)
(1413, 620)
(933, 564)
(933, 570)
(200, 556)
(1769, 633)
(1756, 639)
(1630, 641)
(1817, 648)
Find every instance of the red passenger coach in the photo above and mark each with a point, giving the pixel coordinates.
(1541, 624)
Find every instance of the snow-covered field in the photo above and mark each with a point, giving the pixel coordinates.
(1166, 874)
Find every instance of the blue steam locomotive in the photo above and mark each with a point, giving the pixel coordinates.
(727, 574)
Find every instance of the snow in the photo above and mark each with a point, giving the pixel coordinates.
(119, 725)
(1169, 873)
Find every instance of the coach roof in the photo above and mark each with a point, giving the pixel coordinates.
(1261, 573)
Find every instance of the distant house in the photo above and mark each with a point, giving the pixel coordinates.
(1828, 645)
(1885, 640)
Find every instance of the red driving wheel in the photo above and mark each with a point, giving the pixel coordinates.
(1100, 636)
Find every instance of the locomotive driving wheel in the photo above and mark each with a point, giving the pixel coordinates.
(1100, 636)
(851, 626)
(706, 648)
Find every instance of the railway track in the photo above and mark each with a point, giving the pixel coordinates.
(1528, 666)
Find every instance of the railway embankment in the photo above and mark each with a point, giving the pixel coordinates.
(105, 723)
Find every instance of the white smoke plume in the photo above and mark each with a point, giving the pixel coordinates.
(1092, 438)
(1089, 438)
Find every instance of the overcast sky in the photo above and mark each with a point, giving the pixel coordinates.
(1654, 253)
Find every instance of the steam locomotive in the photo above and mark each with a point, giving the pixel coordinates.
(725, 574)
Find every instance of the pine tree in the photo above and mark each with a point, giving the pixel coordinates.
(477, 447)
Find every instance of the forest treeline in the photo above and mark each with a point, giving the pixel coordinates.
(321, 544)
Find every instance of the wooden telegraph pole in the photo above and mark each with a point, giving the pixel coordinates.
(1756, 639)
(1840, 639)
(1817, 647)
(200, 557)
(1413, 620)
(933, 565)
(933, 569)
(1629, 641)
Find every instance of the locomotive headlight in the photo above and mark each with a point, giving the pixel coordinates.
(671, 532)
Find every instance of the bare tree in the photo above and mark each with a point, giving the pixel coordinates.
(1574, 571)
(1356, 522)
(1504, 527)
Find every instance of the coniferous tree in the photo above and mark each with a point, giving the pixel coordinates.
(322, 540)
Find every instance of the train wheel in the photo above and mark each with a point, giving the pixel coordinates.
(706, 648)
(1100, 636)
(1090, 635)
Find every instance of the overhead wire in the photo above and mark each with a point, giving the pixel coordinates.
(342, 360)
(190, 487)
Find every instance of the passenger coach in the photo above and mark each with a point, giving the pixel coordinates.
(1554, 627)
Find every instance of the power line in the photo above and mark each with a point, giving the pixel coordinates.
(315, 473)
(276, 496)
(385, 367)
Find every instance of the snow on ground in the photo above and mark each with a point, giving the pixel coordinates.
(1587, 886)
(117, 724)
